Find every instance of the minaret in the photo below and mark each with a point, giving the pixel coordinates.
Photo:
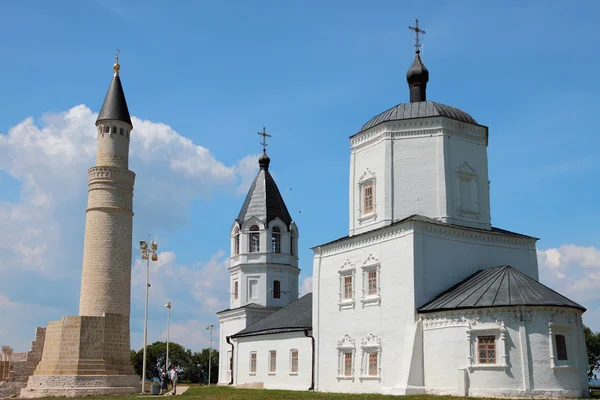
(106, 276)
(89, 354)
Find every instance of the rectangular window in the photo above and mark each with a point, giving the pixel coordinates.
(347, 287)
(372, 364)
(272, 361)
(253, 362)
(487, 349)
(561, 347)
(276, 289)
(368, 199)
(372, 283)
(237, 244)
(294, 361)
(253, 289)
(347, 364)
(230, 362)
(235, 290)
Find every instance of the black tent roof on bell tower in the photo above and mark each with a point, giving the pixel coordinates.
(115, 105)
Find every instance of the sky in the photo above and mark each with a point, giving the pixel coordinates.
(203, 77)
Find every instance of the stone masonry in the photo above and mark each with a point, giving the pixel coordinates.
(89, 354)
(18, 367)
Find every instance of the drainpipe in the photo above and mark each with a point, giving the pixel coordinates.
(231, 360)
(312, 373)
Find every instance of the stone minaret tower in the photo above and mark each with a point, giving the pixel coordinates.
(106, 276)
(89, 354)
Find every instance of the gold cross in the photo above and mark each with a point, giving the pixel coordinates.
(264, 135)
(417, 32)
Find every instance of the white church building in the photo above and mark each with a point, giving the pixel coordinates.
(424, 295)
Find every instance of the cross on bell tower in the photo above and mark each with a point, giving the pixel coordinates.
(263, 141)
(418, 31)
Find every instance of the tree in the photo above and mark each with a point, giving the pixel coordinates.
(592, 342)
(156, 358)
(197, 371)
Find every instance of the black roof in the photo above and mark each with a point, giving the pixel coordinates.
(264, 200)
(497, 287)
(115, 105)
(419, 109)
(296, 316)
(249, 305)
(417, 217)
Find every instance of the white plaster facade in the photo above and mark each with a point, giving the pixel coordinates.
(283, 377)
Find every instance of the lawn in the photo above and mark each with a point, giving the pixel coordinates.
(228, 393)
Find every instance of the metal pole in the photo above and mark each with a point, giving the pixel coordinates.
(145, 326)
(168, 325)
(209, 355)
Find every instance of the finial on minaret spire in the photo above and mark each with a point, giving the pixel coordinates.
(117, 67)
(417, 75)
(418, 31)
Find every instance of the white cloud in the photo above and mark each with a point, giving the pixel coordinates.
(306, 286)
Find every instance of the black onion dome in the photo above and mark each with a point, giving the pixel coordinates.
(417, 73)
(264, 161)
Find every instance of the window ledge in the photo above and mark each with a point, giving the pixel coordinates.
(366, 217)
(293, 373)
(252, 373)
(564, 367)
(370, 378)
(488, 366)
(345, 378)
(272, 373)
(346, 304)
(371, 299)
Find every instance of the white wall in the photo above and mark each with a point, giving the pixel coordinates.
(528, 370)
(282, 343)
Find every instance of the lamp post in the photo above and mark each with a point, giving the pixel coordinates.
(210, 329)
(168, 305)
(147, 254)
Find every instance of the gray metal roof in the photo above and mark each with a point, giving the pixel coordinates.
(497, 287)
(417, 217)
(115, 106)
(249, 305)
(419, 109)
(296, 316)
(264, 200)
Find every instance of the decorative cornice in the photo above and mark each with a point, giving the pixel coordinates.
(433, 126)
(110, 174)
(455, 232)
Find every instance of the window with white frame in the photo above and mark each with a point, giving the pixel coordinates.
(371, 357)
(467, 190)
(254, 239)
(272, 361)
(371, 281)
(229, 362)
(294, 361)
(275, 240)
(236, 241)
(559, 339)
(366, 200)
(346, 282)
(487, 346)
(253, 362)
(236, 290)
(253, 289)
(346, 350)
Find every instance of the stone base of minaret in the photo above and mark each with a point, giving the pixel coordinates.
(83, 356)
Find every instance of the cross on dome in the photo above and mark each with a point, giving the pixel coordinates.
(417, 32)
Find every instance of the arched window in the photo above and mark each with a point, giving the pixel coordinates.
(276, 289)
(236, 239)
(114, 130)
(276, 240)
(291, 243)
(254, 239)
(106, 129)
(121, 131)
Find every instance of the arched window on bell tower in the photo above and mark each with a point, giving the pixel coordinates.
(275, 240)
(254, 239)
(236, 241)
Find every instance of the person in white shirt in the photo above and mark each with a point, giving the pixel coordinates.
(174, 378)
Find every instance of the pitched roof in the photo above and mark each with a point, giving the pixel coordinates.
(497, 287)
(115, 105)
(249, 305)
(419, 109)
(264, 200)
(417, 217)
(296, 316)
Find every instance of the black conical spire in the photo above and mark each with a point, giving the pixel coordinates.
(115, 105)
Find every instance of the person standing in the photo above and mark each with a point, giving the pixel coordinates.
(174, 378)
(164, 383)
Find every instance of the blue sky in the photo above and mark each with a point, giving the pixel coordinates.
(201, 78)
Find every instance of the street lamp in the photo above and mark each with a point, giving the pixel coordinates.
(209, 328)
(168, 305)
(147, 254)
